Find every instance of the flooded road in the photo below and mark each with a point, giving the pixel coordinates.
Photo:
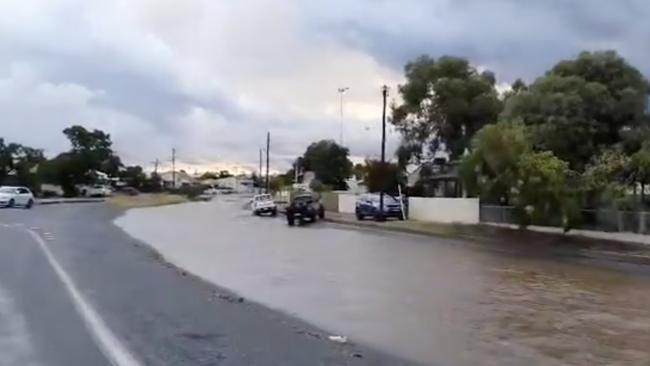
(432, 300)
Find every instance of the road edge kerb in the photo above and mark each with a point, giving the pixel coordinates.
(608, 255)
(69, 201)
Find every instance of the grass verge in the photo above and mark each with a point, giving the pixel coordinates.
(146, 200)
(511, 240)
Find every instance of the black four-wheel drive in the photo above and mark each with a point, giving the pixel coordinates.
(304, 207)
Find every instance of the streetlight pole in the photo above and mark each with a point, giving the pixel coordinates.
(268, 148)
(174, 168)
(259, 176)
(341, 92)
(384, 94)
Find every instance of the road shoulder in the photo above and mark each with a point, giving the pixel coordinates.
(511, 239)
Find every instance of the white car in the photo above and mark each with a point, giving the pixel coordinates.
(16, 196)
(263, 203)
(97, 190)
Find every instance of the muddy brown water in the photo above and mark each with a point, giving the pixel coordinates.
(436, 301)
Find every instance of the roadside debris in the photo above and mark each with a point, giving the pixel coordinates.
(338, 339)
(311, 334)
(229, 298)
(357, 355)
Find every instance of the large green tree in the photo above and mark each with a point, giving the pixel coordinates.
(93, 150)
(329, 162)
(19, 164)
(582, 106)
(382, 176)
(90, 151)
(639, 170)
(445, 101)
(606, 177)
(490, 170)
(134, 176)
(503, 167)
(64, 170)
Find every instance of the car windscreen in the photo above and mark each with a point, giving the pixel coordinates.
(303, 199)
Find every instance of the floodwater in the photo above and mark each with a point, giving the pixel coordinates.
(431, 300)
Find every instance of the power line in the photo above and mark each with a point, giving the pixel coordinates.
(155, 166)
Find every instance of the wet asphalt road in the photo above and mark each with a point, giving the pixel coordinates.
(434, 300)
(159, 314)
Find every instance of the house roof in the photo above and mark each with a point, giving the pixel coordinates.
(180, 176)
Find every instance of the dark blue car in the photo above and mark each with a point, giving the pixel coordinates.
(367, 205)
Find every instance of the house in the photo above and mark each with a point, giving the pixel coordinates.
(437, 178)
(356, 186)
(239, 184)
(181, 178)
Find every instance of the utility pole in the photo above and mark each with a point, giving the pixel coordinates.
(259, 175)
(173, 167)
(384, 94)
(155, 166)
(268, 147)
(341, 92)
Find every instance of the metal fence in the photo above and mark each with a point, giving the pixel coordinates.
(599, 220)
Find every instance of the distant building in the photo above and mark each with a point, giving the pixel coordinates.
(239, 184)
(355, 185)
(181, 177)
(438, 178)
(308, 177)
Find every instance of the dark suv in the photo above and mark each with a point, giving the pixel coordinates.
(305, 206)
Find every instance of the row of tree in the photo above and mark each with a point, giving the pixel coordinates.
(579, 136)
(90, 152)
(330, 163)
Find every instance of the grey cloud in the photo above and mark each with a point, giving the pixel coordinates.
(514, 38)
(135, 76)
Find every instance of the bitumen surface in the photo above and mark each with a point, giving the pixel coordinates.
(77, 290)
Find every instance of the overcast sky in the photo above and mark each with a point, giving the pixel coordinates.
(211, 77)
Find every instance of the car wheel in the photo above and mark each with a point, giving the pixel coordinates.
(359, 217)
(274, 212)
(29, 204)
(301, 220)
(256, 213)
(11, 203)
(400, 217)
(321, 213)
(290, 220)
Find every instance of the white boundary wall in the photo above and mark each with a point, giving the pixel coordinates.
(347, 202)
(444, 210)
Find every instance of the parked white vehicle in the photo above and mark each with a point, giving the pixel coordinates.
(263, 203)
(211, 192)
(16, 196)
(97, 190)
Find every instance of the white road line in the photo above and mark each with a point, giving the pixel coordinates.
(111, 347)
